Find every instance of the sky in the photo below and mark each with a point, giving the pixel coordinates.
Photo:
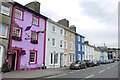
(97, 20)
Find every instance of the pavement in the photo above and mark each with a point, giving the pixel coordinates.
(30, 74)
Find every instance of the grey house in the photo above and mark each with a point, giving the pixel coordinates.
(5, 24)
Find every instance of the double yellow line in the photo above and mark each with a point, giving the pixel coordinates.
(56, 75)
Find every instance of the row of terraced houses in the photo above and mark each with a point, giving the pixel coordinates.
(30, 40)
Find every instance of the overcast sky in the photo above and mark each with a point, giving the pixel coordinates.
(97, 20)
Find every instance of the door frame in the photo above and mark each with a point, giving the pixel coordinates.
(18, 57)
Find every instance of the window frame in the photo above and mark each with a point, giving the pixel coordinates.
(66, 44)
(6, 31)
(56, 58)
(61, 31)
(3, 8)
(79, 38)
(54, 28)
(21, 28)
(66, 33)
(61, 43)
(16, 8)
(33, 16)
(35, 62)
(36, 35)
(79, 48)
(71, 47)
(54, 42)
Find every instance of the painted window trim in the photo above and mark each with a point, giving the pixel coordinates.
(6, 31)
(66, 44)
(38, 20)
(22, 13)
(35, 58)
(54, 43)
(21, 28)
(5, 13)
(78, 38)
(66, 33)
(52, 28)
(31, 35)
(1, 55)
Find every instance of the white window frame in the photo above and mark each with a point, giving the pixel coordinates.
(1, 26)
(66, 33)
(71, 45)
(83, 48)
(34, 57)
(34, 36)
(35, 20)
(18, 33)
(1, 55)
(61, 43)
(78, 38)
(79, 47)
(65, 44)
(54, 42)
(21, 14)
(61, 31)
(5, 10)
(56, 58)
(53, 28)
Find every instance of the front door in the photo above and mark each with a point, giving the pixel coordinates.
(14, 60)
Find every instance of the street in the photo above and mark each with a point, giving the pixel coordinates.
(103, 72)
(107, 71)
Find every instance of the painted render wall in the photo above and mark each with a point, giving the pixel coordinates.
(81, 42)
(25, 44)
(49, 47)
(89, 52)
(68, 51)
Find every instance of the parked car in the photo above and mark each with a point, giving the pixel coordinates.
(111, 60)
(78, 65)
(89, 63)
(103, 62)
(96, 63)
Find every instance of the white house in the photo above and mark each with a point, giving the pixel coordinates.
(89, 51)
(54, 56)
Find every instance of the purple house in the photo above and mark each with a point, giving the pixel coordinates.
(27, 39)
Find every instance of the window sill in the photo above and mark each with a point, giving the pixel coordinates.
(16, 38)
(54, 64)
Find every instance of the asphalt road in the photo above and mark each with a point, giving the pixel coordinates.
(102, 72)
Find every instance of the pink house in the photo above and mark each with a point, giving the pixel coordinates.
(27, 39)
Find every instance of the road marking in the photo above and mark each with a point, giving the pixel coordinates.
(70, 72)
(101, 71)
(89, 76)
(56, 76)
(108, 67)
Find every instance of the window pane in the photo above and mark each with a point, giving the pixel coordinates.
(32, 57)
(53, 28)
(53, 41)
(3, 30)
(51, 58)
(18, 14)
(17, 32)
(35, 20)
(56, 58)
(34, 36)
(5, 10)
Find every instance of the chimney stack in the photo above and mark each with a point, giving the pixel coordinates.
(64, 22)
(35, 6)
(72, 27)
(86, 42)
